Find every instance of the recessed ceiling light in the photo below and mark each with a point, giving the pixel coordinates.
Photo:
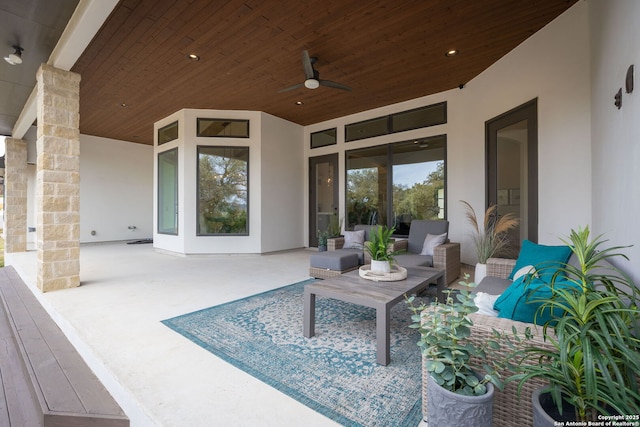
(299, 103)
(452, 52)
(193, 57)
(124, 105)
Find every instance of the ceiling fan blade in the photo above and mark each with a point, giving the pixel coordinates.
(287, 89)
(334, 85)
(306, 64)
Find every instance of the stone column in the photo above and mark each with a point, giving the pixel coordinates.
(58, 179)
(15, 202)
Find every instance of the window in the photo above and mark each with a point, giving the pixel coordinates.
(168, 192)
(422, 117)
(223, 183)
(168, 133)
(367, 129)
(397, 183)
(431, 115)
(324, 138)
(223, 128)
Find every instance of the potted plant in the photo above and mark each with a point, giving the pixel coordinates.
(322, 240)
(456, 394)
(380, 248)
(593, 364)
(335, 226)
(489, 239)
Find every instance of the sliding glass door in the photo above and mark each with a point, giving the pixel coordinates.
(396, 183)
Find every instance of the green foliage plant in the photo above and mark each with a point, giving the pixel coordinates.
(323, 236)
(444, 331)
(335, 226)
(594, 360)
(380, 245)
(490, 238)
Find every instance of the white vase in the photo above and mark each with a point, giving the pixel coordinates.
(481, 272)
(380, 266)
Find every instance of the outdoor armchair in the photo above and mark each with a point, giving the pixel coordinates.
(445, 256)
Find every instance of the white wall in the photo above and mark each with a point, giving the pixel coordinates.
(615, 42)
(116, 179)
(282, 209)
(115, 182)
(553, 66)
(275, 188)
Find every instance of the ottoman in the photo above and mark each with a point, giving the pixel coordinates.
(332, 263)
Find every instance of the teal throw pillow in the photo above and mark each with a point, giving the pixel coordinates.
(508, 298)
(523, 298)
(546, 259)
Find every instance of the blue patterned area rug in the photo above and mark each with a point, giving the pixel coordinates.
(335, 372)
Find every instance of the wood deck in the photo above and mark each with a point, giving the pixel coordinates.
(45, 382)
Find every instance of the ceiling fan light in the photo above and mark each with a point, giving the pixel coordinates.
(311, 84)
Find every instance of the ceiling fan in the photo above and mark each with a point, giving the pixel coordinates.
(312, 77)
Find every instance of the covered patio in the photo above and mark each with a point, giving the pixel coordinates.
(157, 376)
(587, 158)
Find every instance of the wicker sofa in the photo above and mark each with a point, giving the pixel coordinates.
(509, 407)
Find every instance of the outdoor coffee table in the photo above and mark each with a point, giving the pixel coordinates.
(382, 296)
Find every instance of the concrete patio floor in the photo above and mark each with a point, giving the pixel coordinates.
(157, 376)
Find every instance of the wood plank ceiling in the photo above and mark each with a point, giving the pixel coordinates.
(136, 69)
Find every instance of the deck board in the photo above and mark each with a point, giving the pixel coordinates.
(63, 388)
(17, 401)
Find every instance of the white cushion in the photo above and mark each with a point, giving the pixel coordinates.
(353, 239)
(485, 302)
(527, 269)
(431, 241)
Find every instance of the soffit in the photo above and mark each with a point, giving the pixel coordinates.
(386, 51)
(35, 26)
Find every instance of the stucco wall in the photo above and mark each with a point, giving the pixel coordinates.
(615, 42)
(282, 180)
(115, 182)
(275, 189)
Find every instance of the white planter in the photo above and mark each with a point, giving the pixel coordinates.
(481, 272)
(380, 266)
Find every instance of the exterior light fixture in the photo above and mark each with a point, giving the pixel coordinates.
(16, 57)
(452, 52)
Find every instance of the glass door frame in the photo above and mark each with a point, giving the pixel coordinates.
(529, 112)
(313, 192)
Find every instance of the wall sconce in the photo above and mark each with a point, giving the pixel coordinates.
(629, 80)
(628, 84)
(618, 99)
